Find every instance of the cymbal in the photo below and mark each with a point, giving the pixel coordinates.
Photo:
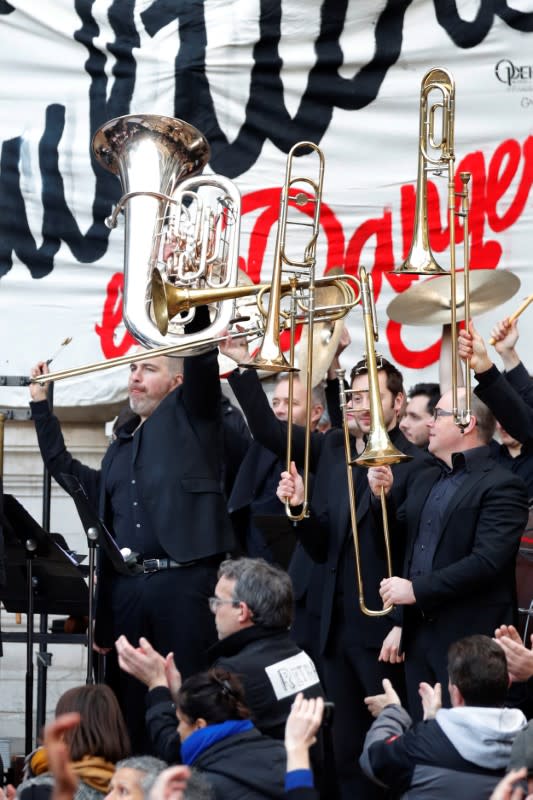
(428, 302)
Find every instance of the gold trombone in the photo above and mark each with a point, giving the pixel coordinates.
(195, 298)
(379, 450)
(436, 154)
(299, 190)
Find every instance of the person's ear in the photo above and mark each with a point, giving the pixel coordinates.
(245, 613)
(456, 697)
(398, 402)
(178, 379)
(200, 723)
(316, 412)
(471, 425)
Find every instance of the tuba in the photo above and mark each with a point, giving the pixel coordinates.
(180, 228)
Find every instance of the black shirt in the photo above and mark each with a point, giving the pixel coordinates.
(130, 524)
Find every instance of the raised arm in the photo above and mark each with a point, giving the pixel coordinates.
(507, 405)
(55, 455)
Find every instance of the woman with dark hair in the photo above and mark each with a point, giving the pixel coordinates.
(95, 745)
(219, 739)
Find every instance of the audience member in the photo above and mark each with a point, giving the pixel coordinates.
(180, 783)
(522, 757)
(510, 787)
(460, 750)
(176, 783)
(219, 739)
(301, 731)
(252, 605)
(519, 657)
(96, 742)
(134, 777)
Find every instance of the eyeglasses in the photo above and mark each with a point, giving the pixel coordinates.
(215, 602)
(440, 412)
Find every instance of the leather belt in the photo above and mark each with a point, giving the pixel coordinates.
(158, 564)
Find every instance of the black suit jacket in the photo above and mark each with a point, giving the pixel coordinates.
(506, 402)
(325, 533)
(253, 470)
(471, 588)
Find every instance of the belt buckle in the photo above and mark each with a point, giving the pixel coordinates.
(151, 565)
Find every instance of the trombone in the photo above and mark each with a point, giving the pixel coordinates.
(300, 191)
(191, 298)
(379, 449)
(436, 154)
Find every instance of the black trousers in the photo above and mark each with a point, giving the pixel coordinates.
(351, 673)
(169, 608)
(426, 660)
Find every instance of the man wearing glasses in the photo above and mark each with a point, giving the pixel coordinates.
(253, 609)
(463, 519)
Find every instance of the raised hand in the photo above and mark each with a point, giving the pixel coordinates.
(143, 662)
(377, 702)
(38, 392)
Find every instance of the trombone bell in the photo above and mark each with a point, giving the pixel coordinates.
(434, 155)
(380, 451)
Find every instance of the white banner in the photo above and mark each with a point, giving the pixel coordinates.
(255, 77)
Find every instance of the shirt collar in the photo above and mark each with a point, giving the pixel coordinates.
(127, 430)
(470, 459)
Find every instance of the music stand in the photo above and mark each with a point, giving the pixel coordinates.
(41, 578)
(97, 535)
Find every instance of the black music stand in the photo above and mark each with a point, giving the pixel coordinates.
(41, 578)
(97, 535)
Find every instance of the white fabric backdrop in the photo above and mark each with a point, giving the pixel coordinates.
(255, 77)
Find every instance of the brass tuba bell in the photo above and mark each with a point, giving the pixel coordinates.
(179, 228)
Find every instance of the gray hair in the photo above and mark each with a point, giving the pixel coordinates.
(265, 588)
(150, 767)
(175, 365)
(319, 395)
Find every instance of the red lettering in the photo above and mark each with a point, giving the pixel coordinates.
(491, 202)
(502, 170)
(112, 318)
(401, 354)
